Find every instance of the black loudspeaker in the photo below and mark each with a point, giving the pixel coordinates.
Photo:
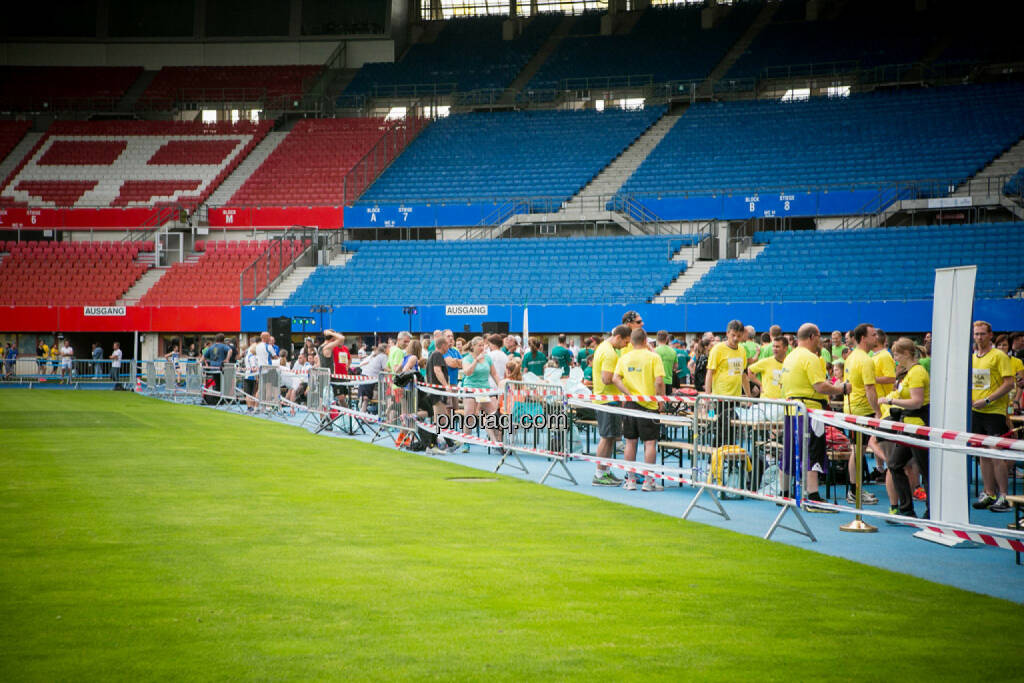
(281, 330)
(495, 327)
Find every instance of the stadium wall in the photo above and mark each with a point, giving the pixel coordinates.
(724, 207)
(899, 316)
(154, 55)
(132, 319)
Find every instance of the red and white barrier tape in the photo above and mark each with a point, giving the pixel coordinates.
(962, 438)
(1008, 540)
(664, 418)
(463, 390)
(657, 398)
(919, 443)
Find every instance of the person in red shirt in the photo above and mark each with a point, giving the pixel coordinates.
(335, 346)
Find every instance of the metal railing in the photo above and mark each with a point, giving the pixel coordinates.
(396, 138)
(274, 264)
(37, 369)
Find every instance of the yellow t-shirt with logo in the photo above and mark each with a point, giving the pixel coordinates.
(859, 371)
(728, 365)
(884, 367)
(769, 371)
(605, 358)
(800, 372)
(917, 378)
(987, 375)
(1018, 365)
(638, 370)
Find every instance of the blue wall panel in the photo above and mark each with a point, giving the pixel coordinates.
(895, 316)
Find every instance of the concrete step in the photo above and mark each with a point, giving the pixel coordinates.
(615, 174)
(675, 289)
(142, 285)
(741, 45)
(342, 258)
(11, 161)
(222, 195)
(1006, 164)
(288, 286)
(538, 59)
(134, 92)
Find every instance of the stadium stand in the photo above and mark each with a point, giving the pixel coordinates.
(218, 83)
(11, 133)
(667, 43)
(556, 270)
(41, 88)
(510, 154)
(942, 134)
(310, 164)
(817, 265)
(865, 33)
(130, 163)
(468, 54)
(213, 279)
(68, 273)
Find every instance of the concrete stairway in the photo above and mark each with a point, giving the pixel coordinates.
(740, 46)
(222, 195)
(990, 180)
(141, 286)
(287, 286)
(541, 56)
(695, 270)
(596, 193)
(133, 93)
(17, 154)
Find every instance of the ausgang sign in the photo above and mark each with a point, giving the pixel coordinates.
(453, 309)
(112, 311)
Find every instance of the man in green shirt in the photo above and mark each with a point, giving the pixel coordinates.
(668, 357)
(766, 342)
(585, 357)
(749, 344)
(682, 363)
(397, 352)
(561, 354)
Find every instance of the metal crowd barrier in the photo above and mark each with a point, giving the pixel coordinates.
(397, 405)
(228, 383)
(269, 391)
(193, 381)
(149, 373)
(751, 448)
(537, 418)
(318, 391)
(170, 383)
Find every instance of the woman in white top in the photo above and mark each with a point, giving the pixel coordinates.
(67, 356)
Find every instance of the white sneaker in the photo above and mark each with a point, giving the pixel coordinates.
(651, 485)
(630, 485)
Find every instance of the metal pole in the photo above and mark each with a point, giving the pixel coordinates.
(858, 525)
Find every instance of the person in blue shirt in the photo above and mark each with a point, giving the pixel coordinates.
(97, 357)
(215, 355)
(10, 355)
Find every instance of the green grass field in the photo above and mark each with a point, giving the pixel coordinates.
(145, 540)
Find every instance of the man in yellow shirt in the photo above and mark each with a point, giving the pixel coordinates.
(885, 382)
(727, 364)
(769, 370)
(991, 381)
(641, 371)
(804, 379)
(609, 425)
(859, 373)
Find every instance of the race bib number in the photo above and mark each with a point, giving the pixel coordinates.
(777, 377)
(735, 366)
(980, 378)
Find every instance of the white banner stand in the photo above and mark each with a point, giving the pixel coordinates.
(952, 311)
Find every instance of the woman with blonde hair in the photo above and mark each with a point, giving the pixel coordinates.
(478, 369)
(908, 402)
